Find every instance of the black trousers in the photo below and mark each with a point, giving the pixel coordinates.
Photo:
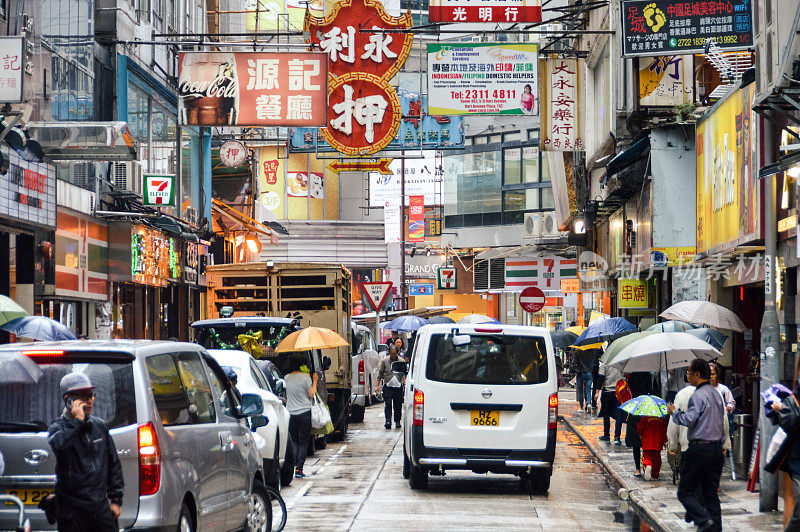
(701, 469)
(392, 400)
(300, 431)
(74, 519)
(609, 411)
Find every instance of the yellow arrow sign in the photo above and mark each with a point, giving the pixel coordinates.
(381, 166)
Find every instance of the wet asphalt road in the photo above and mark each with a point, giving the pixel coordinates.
(358, 485)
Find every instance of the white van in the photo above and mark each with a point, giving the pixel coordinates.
(481, 397)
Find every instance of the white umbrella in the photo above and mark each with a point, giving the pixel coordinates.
(663, 351)
(704, 313)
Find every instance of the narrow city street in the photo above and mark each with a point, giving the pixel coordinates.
(358, 485)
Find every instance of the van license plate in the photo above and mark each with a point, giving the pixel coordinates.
(29, 497)
(485, 418)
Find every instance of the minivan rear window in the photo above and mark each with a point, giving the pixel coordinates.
(488, 359)
(32, 407)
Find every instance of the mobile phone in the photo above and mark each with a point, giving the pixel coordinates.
(68, 403)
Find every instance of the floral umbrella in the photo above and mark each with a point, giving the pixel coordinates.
(646, 405)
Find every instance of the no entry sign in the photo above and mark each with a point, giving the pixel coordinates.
(532, 299)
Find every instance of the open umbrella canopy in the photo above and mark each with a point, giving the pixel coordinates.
(16, 368)
(605, 331)
(621, 343)
(671, 326)
(704, 313)
(440, 319)
(646, 405)
(563, 339)
(712, 336)
(9, 309)
(663, 351)
(311, 338)
(577, 329)
(477, 318)
(39, 328)
(406, 323)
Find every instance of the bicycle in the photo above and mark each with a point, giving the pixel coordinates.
(279, 513)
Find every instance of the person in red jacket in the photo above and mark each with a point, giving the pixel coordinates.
(653, 431)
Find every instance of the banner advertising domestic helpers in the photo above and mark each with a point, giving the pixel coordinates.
(482, 79)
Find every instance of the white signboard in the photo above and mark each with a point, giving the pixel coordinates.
(420, 181)
(666, 81)
(11, 68)
(375, 293)
(391, 222)
(482, 79)
(561, 125)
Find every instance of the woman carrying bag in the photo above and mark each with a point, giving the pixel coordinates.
(301, 388)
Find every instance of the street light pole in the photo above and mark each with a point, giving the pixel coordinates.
(769, 365)
(403, 231)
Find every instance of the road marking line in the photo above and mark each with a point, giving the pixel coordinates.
(300, 493)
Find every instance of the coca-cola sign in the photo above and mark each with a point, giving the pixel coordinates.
(252, 89)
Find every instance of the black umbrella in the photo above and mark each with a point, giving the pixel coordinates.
(440, 319)
(563, 339)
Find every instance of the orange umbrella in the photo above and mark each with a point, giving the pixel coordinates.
(311, 338)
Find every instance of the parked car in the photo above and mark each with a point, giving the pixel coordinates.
(277, 450)
(188, 459)
(274, 376)
(365, 372)
(483, 398)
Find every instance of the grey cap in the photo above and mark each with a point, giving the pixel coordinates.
(74, 382)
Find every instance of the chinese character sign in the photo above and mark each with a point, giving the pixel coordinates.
(669, 27)
(632, 293)
(363, 108)
(561, 126)
(666, 80)
(485, 11)
(271, 180)
(11, 62)
(482, 79)
(252, 88)
(416, 219)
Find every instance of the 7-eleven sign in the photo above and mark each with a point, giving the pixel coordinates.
(159, 190)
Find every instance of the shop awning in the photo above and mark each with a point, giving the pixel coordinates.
(628, 157)
(242, 219)
(82, 141)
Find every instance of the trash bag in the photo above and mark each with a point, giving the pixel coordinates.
(320, 415)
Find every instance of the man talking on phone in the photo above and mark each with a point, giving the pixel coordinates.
(89, 481)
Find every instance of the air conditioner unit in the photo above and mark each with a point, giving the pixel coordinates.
(127, 176)
(541, 225)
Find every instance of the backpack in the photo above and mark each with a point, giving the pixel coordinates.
(623, 391)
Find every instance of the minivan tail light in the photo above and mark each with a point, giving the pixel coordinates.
(488, 330)
(149, 460)
(361, 371)
(552, 411)
(43, 353)
(419, 407)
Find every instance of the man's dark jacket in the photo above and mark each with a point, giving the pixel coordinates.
(88, 471)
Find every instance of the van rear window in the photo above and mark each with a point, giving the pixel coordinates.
(32, 407)
(488, 359)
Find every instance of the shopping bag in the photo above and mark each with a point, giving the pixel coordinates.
(777, 451)
(320, 416)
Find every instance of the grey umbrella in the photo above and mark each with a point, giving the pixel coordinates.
(38, 328)
(16, 368)
(440, 319)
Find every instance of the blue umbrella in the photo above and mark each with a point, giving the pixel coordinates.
(711, 336)
(406, 323)
(38, 328)
(605, 331)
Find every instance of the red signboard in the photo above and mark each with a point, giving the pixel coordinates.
(364, 111)
(416, 219)
(485, 11)
(252, 89)
(532, 299)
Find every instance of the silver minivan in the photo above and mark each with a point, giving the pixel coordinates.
(188, 460)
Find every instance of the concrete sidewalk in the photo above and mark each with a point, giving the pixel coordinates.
(657, 500)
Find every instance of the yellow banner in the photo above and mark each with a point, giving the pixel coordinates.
(672, 256)
(632, 293)
(727, 193)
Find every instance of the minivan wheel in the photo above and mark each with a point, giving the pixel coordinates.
(357, 413)
(259, 513)
(417, 477)
(540, 481)
(406, 463)
(185, 520)
(274, 473)
(287, 473)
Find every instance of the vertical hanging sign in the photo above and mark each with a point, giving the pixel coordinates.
(559, 90)
(416, 219)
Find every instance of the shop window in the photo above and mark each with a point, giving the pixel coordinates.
(530, 164)
(512, 166)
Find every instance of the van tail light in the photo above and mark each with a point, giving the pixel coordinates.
(552, 411)
(488, 329)
(361, 371)
(149, 460)
(419, 407)
(43, 353)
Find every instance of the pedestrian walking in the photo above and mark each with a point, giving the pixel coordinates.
(597, 379)
(584, 364)
(724, 391)
(653, 433)
(392, 388)
(300, 391)
(701, 464)
(562, 382)
(609, 405)
(639, 383)
(89, 482)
